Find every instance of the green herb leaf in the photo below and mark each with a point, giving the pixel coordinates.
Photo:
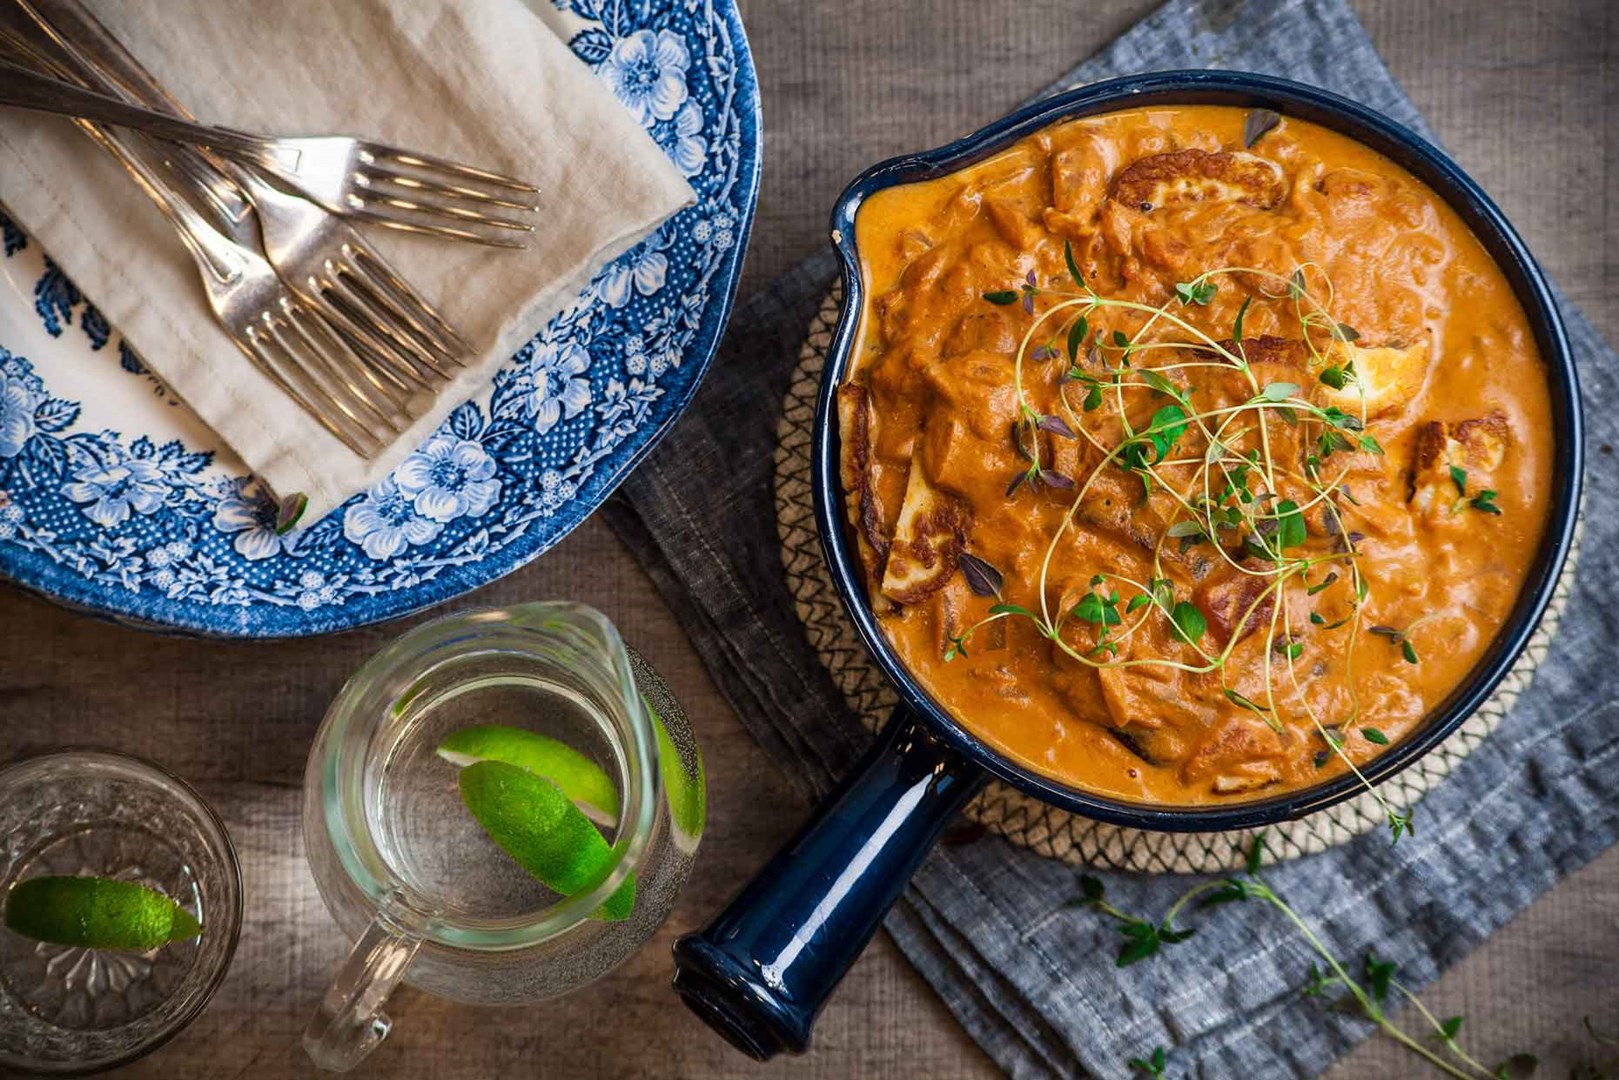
(1291, 532)
(1073, 267)
(1190, 625)
(1199, 293)
(1450, 1027)
(1338, 377)
(1245, 702)
(1373, 735)
(1256, 853)
(1003, 297)
(1012, 609)
(1137, 602)
(1161, 384)
(1485, 501)
(1295, 284)
(1322, 584)
(1408, 651)
(1076, 338)
(1345, 332)
(1279, 391)
(1458, 476)
(1371, 445)
(1236, 330)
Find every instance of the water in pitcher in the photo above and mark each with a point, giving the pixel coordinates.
(412, 798)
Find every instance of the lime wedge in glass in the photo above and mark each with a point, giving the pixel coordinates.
(581, 780)
(540, 827)
(97, 913)
(687, 793)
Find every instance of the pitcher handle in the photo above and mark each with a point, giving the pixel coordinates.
(761, 970)
(350, 1023)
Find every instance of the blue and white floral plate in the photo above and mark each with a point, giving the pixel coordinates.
(115, 499)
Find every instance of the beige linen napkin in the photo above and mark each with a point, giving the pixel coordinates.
(481, 81)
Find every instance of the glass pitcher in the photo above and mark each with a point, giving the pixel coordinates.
(408, 873)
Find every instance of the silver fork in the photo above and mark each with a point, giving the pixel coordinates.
(281, 335)
(315, 253)
(401, 189)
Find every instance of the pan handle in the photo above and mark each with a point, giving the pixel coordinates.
(760, 971)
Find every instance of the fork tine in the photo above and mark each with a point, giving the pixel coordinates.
(256, 347)
(412, 159)
(385, 173)
(400, 361)
(440, 209)
(384, 323)
(312, 352)
(371, 269)
(447, 231)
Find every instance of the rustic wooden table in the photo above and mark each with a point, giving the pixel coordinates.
(1526, 95)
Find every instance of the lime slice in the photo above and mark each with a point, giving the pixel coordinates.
(97, 913)
(687, 794)
(580, 779)
(536, 824)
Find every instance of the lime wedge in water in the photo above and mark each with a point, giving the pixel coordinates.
(580, 779)
(687, 793)
(97, 913)
(536, 824)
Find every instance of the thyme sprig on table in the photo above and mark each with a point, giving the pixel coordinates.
(1232, 493)
(1369, 992)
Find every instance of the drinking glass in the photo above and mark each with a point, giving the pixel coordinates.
(408, 873)
(66, 1009)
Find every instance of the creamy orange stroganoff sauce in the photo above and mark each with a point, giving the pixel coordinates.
(1233, 559)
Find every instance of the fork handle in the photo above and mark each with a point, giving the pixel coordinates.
(25, 89)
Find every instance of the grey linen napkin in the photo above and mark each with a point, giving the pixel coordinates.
(996, 929)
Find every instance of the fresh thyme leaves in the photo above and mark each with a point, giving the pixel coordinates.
(1484, 501)
(1373, 735)
(982, 578)
(1076, 339)
(1153, 1064)
(1209, 469)
(1245, 702)
(1141, 937)
(1400, 638)
(1236, 328)
(1073, 267)
(1338, 377)
(1371, 992)
(1258, 122)
(1197, 292)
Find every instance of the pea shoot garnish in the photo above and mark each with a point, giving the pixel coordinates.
(1148, 391)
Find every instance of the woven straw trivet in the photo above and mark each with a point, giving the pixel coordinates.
(1029, 822)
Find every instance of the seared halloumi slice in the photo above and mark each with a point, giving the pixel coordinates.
(1189, 176)
(1390, 377)
(928, 539)
(1476, 446)
(859, 484)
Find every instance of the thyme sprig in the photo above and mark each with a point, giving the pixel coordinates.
(1370, 994)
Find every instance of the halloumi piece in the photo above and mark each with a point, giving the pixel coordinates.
(855, 473)
(1182, 177)
(1390, 377)
(1478, 446)
(928, 540)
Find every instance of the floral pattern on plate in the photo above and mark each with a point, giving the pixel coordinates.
(115, 499)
